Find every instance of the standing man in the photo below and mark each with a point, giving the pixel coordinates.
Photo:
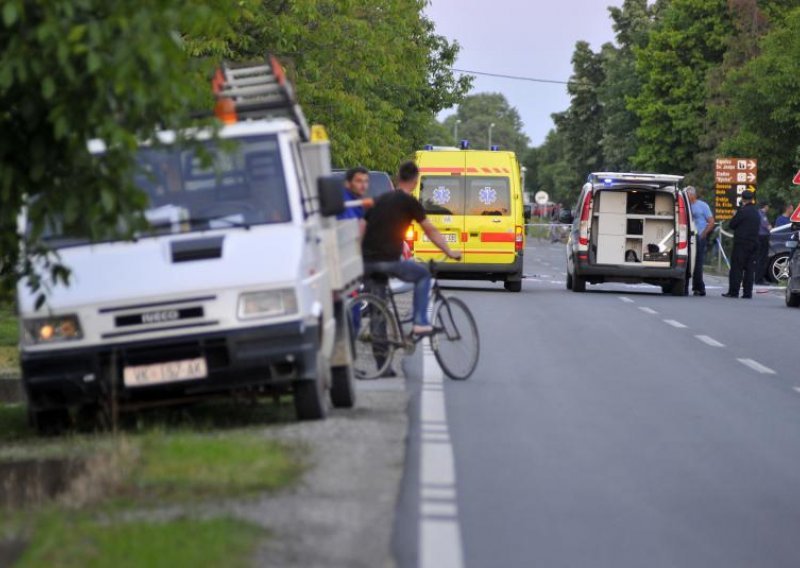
(745, 225)
(763, 245)
(704, 225)
(786, 217)
(356, 185)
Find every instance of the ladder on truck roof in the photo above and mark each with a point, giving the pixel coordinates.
(257, 92)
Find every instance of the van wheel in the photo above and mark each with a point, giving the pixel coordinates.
(51, 422)
(792, 300)
(343, 388)
(578, 284)
(311, 394)
(678, 287)
(513, 285)
(569, 281)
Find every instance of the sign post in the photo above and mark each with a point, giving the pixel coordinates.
(732, 177)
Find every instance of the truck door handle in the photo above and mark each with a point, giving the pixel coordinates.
(496, 220)
(474, 234)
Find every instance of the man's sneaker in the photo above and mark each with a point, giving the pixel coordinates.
(699, 293)
(422, 330)
(727, 295)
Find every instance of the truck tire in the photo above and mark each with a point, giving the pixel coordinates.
(513, 285)
(311, 394)
(343, 387)
(679, 287)
(50, 422)
(792, 300)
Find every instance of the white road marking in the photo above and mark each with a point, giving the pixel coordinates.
(796, 389)
(675, 324)
(439, 529)
(756, 366)
(626, 299)
(647, 310)
(710, 341)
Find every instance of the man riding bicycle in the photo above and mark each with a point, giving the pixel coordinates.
(382, 247)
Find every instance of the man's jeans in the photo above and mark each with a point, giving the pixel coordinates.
(700, 257)
(407, 271)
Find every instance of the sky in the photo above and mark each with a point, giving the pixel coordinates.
(532, 38)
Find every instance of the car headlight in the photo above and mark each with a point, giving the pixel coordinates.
(52, 330)
(269, 303)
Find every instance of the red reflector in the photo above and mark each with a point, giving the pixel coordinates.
(583, 256)
(497, 237)
(681, 261)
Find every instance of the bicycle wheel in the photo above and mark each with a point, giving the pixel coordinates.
(455, 341)
(375, 336)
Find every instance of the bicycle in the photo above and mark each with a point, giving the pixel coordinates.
(377, 330)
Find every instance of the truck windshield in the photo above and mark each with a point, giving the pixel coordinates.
(231, 183)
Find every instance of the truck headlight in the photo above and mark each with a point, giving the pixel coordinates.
(52, 330)
(269, 303)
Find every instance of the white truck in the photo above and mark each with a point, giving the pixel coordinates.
(237, 289)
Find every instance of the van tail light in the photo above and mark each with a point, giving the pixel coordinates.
(683, 227)
(583, 238)
(519, 238)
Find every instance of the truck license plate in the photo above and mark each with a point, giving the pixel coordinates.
(448, 237)
(145, 375)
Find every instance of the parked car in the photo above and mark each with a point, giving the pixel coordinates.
(777, 267)
(631, 227)
(793, 271)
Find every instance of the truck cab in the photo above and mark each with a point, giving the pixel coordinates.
(235, 288)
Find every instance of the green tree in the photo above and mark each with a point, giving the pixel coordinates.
(74, 71)
(477, 112)
(688, 40)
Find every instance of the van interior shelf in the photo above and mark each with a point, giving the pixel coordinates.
(633, 216)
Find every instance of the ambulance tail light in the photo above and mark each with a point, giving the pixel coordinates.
(583, 238)
(410, 238)
(519, 238)
(683, 227)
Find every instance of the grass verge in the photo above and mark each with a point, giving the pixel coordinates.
(9, 336)
(64, 541)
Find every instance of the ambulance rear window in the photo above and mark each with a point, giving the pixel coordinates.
(489, 196)
(442, 195)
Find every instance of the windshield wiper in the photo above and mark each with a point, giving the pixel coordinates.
(228, 221)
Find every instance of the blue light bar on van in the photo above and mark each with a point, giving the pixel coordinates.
(495, 148)
(428, 147)
(464, 145)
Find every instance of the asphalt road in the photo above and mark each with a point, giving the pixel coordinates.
(600, 430)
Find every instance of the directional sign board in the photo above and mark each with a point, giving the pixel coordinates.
(796, 179)
(795, 218)
(732, 177)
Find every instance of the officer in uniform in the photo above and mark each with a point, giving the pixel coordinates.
(745, 225)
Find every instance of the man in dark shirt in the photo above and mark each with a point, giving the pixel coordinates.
(745, 225)
(387, 223)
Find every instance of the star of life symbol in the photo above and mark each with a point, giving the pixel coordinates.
(487, 195)
(441, 195)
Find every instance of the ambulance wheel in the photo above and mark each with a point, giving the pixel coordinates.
(513, 285)
(343, 388)
(311, 393)
(679, 287)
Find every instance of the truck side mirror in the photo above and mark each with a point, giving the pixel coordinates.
(331, 196)
(566, 217)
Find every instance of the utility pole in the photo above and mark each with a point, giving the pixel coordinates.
(491, 126)
(455, 130)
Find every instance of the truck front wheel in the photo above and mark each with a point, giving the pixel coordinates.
(343, 388)
(50, 422)
(311, 394)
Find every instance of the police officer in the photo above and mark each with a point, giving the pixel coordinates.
(745, 225)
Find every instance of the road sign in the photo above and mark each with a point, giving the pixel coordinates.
(795, 218)
(541, 198)
(796, 179)
(736, 170)
(733, 176)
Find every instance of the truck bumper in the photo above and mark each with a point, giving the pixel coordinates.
(250, 359)
(512, 271)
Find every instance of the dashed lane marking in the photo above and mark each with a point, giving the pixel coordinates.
(647, 310)
(675, 324)
(710, 341)
(626, 299)
(756, 366)
(796, 389)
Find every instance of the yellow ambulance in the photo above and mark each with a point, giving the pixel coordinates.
(474, 197)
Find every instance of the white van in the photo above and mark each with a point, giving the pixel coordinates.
(631, 227)
(236, 289)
